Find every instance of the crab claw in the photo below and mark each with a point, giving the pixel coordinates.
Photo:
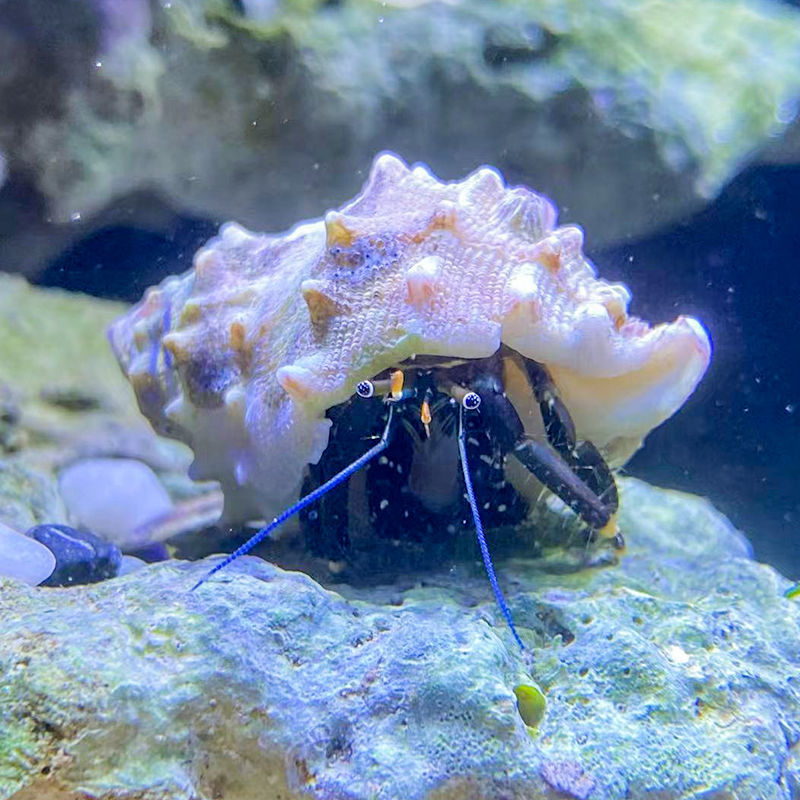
(575, 471)
(550, 469)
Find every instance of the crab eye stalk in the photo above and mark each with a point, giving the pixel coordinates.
(365, 389)
(466, 398)
(471, 401)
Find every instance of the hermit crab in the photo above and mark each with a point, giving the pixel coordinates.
(444, 341)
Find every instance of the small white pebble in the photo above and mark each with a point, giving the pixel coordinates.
(114, 498)
(23, 558)
(383, 504)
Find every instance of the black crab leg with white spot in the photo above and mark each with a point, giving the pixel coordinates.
(573, 470)
(312, 497)
(598, 508)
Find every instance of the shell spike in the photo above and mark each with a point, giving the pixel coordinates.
(298, 382)
(175, 409)
(570, 240)
(528, 213)
(236, 235)
(338, 230)
(422, 279)
(207, 261)
(321, 306)
(521, 302)
(484, 182)
(387, 167)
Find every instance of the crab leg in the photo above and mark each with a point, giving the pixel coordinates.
(558, 424)
(583, 457)
(327, 531)
(590, 466)
(546, 465)
(557, 467)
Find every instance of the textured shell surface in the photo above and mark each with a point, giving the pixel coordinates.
(241, 356)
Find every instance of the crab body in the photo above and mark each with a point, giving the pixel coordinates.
(246, 356)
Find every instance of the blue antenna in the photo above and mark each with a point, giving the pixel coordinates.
(470, 401)
(307, 500)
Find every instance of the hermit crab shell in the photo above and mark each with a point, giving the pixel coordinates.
(241, 356)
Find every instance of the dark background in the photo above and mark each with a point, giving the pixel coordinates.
(734, 266)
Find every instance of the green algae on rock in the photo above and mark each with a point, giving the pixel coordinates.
(675, 673)
(63, 399)
(653, 105)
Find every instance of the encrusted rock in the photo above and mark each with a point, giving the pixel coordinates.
(646, 106)
(674, 673)
(62, 400)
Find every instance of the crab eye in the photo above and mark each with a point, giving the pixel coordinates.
(365, 389)
(471, 401)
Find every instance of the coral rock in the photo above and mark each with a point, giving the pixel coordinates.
(675, 674)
